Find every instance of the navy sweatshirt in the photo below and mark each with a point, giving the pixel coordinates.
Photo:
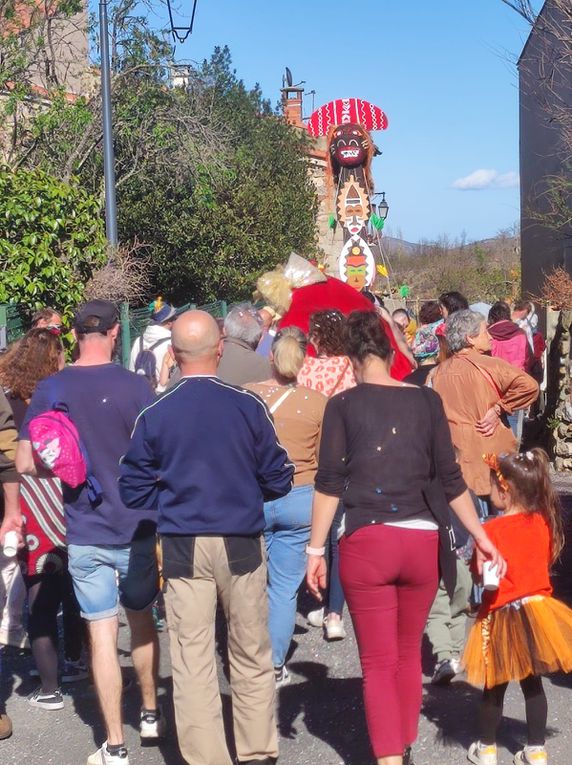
(206, 456)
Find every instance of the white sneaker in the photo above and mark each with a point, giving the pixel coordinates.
(335, 629)
(51, 701)
(281, 676)
(481, 754)
(153, 724)
(316, 618)
(531, 755)
(456, 665)
(103, 757)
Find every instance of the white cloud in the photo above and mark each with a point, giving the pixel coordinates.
(508, 180)
(487, 179)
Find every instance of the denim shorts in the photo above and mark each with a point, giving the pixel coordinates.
(106, 575)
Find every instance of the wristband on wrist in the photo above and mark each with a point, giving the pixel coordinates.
(319, 551)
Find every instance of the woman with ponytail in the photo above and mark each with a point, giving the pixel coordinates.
(298, 413)
(386, 451)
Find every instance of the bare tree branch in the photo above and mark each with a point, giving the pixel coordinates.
(523, 8)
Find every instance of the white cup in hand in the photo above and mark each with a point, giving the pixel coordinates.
(10, 544)
(490, 576)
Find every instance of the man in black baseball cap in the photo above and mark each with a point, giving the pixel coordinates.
(111, 548)
(95, 316)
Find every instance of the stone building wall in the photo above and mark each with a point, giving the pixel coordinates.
(330, 241)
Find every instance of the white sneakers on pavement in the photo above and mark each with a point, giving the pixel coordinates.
(51, 701)
(531, 755)
(153, 724)
(332, 624)
(334, 627)
(445, 671)
(316, 618)
(281, 676)
(482, 754)
(104, 757)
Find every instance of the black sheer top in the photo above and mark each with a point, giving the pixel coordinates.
(379, 444)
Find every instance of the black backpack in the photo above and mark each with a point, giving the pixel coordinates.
(146, 363)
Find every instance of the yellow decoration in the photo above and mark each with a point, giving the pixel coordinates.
(382, 270)
(356, 250)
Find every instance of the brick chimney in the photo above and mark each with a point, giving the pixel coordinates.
(292, 105)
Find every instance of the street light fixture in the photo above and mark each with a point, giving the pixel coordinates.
(382, 207)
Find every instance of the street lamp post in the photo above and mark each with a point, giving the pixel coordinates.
(382, 207)
(108, 152)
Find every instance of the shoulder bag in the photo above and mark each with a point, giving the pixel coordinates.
(434, 495)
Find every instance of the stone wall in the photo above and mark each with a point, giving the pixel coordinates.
(559, 406)
(330, 240)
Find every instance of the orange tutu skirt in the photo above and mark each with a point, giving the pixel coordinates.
(532, 636)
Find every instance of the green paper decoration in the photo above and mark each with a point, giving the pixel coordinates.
(332, 220)
(377, 222)
(404, 291)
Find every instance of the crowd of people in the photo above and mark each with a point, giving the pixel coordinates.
(237, 459)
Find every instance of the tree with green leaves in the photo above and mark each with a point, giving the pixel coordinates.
(223, 224)
(51, 240)
(210, 179)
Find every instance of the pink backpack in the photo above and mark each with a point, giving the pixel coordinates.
(57, 446)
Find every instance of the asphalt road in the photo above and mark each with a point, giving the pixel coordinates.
(320, 714)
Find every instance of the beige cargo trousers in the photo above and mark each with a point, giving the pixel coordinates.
(191, 609)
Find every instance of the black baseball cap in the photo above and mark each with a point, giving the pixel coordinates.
(95, 316)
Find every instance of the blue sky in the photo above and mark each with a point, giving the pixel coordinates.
(441, 71)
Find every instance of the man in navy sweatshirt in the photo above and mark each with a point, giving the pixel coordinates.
(207, 457)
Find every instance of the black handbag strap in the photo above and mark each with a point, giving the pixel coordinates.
(448, 527)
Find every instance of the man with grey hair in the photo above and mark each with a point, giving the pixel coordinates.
(240, 364)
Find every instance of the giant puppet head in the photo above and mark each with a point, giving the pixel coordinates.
(350, 146)
(299, 289)
(347, 122)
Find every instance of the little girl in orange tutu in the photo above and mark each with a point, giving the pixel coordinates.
(521, 632)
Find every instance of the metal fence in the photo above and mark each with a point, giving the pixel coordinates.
(15, 321)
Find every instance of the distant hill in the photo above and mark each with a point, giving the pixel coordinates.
(398, 246)
(395, 247)
(486, 270)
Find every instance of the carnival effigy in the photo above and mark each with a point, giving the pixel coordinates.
(346, 123)
(297, 289)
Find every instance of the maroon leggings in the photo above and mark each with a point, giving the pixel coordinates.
(390, 578)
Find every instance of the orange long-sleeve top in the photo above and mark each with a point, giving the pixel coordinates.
(524, 540)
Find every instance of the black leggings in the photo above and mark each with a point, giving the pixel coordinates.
(46, 592)
(536, 711)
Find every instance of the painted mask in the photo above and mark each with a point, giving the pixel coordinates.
(356, 271)
(353, 207)
(349, 145)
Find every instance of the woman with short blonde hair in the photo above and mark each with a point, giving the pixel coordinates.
(297, 413)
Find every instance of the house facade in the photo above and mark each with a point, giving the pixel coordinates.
(545, 86)
(56, 55)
